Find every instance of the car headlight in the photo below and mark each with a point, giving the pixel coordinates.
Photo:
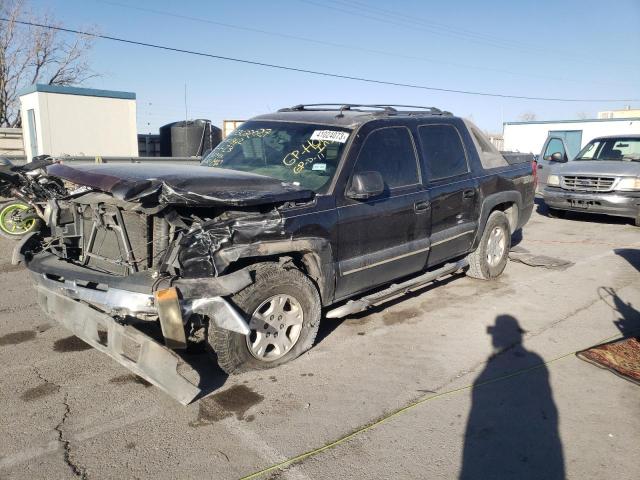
(553, 180)
(629, 184)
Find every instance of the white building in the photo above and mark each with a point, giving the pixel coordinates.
(529, 137)
(78, 121)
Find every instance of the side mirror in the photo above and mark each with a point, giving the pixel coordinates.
(365, 185)
(557, 157)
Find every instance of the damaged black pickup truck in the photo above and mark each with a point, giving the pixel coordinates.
(315, 207)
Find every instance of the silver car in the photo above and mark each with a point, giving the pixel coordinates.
(603, 178)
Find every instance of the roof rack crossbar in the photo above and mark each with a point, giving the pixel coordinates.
(338, 106)
(389, 109)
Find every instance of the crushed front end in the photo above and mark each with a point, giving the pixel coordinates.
(140, 279)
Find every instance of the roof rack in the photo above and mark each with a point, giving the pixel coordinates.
(390, 109)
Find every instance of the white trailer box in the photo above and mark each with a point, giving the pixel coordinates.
(78, 121)
(529, 137)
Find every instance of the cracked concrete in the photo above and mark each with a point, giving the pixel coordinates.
(363, 368)
(59, 428)
(66, 444)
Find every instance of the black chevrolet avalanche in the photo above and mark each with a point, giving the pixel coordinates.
(312, 212)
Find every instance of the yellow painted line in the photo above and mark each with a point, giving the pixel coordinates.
(400, 411)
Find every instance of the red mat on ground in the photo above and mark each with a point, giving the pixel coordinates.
(621, 357)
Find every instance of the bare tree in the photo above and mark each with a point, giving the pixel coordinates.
(31, 55)
(582, 115)
(528, 116)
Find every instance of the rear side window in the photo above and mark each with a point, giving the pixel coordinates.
(443, 151)
(390, 152)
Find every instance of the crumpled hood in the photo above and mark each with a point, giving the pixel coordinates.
(613, 168)
(181, 185)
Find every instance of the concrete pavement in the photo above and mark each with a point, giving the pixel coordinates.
(69, 411)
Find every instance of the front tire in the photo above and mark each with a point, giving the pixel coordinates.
(489, 260)
(283, 310)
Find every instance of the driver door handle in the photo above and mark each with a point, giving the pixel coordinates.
(421, 206)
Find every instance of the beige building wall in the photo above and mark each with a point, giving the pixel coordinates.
(624, 113)
(229, 126)
(71, 121)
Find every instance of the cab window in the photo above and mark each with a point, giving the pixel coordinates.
(390, 152)
(443, 151)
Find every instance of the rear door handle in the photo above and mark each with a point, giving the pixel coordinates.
(421, 206)
(469, 193)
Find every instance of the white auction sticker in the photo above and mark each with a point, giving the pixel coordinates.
(319, 167)
(330, 136)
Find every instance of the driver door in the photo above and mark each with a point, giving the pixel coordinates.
(545, 162)
(387, 236)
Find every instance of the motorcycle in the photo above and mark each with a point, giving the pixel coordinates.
(30, 188)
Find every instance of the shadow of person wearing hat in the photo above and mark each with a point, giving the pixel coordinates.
(512, 430)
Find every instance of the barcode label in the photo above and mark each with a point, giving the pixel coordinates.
(330, 136)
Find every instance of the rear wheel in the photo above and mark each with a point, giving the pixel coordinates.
(282, 308)
(490, 258)
(17, 219)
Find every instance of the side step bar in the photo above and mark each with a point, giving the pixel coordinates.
(396, 289)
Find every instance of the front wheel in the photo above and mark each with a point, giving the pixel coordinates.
(283, 310)
(490, 258)
(17, 219)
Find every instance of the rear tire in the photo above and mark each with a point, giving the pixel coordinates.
(490, 258)
(283, 310)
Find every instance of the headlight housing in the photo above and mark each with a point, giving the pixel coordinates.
(629, 184)
(553, 180)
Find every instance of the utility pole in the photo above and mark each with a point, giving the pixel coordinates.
(186, 117)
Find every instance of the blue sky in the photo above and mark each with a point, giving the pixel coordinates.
(570, 49)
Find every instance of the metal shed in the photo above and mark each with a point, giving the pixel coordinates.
(78, 121)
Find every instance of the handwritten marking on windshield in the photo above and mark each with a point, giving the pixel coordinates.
(298, 159)
(232, 141)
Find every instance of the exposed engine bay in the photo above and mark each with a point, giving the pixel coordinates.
(144, 244)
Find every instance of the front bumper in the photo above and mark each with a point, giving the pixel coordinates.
(129, 347)
(134, 294)
(88, 303)
(620, 204)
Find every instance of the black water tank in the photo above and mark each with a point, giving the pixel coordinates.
(191, 138)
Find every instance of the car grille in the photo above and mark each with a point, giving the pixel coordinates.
(587, 183)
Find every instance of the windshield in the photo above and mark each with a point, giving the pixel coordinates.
(304, 154)
(623, 149)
